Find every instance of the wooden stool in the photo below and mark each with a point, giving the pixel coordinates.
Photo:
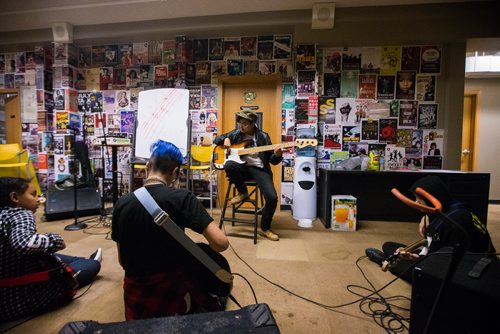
(255, 210)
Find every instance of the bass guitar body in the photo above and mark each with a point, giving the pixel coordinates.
(222, 155)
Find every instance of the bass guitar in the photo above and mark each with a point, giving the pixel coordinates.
(233, 153)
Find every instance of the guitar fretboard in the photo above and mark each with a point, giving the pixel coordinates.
(299, 143)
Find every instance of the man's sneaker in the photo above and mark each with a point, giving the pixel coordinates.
(375, 255)
(238, 198)
(270, 235)
(97, 255)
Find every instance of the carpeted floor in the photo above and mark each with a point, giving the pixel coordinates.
(310, 278)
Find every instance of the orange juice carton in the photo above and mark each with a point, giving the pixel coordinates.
(343, 213)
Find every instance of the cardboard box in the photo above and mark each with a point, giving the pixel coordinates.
(343, 213)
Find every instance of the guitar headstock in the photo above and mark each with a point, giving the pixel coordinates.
(301, 143)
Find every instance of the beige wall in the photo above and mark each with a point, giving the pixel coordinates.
(489, 130)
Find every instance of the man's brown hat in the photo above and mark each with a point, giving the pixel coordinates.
(247, 114)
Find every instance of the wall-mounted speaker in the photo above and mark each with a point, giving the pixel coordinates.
(62, 32)
(323, 15)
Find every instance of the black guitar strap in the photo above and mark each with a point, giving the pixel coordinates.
(161, 218)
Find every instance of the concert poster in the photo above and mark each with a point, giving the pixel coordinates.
(200, 49)
(408, 114)
(331, 84)
(155, 52)
(349, 84)
(267, 67)
(127, 121)
(367, 86)
(282, 46)
(285, 68)
(426, 87)
(306, 57)
(370, 60)
(385, 87)
(232, 48)
(427, 115)
(62, 121)
(169, 52)
(390, 60)
(369, 130)
(394, 157)
(194, 97)
(249, 47)
(351, 59)
(287, 96)
(251, 67)
(140, 53)
(84, 56)
(405, 85)
(404, 137)
(265, 46)
(410, 58)
(387, 130)
(332, 60)
(332, 136)
(326, 109)
(215, 48)
(433, 162)
(301, 108)
(430, 60)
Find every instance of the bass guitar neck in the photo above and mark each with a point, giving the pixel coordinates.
(233, 153)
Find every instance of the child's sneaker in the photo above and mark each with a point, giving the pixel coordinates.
(97, 255)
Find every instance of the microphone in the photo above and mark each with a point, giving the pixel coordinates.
(69, 127)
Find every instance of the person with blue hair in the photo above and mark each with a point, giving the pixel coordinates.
(159, 279)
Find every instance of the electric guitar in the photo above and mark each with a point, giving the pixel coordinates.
(209, 282)
(233, 153)
(394, 258)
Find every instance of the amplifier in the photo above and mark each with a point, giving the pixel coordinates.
(467, 305)
(60, 204)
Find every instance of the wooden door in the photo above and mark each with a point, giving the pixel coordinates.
(259, 93)
(12, 115)
(469, 126)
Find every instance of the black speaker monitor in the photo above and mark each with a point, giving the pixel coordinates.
(467, 305)
(60, 203)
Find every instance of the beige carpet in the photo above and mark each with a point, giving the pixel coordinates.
(316, 263)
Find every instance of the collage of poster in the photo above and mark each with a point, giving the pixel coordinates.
(355, 100)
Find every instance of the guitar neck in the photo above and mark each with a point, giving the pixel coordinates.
(258, 149)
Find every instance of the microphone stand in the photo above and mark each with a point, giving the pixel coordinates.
(76, 225)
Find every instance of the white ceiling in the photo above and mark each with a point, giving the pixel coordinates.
(40, 14)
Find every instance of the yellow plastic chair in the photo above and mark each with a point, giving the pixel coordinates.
(15, 162)
(201, 160)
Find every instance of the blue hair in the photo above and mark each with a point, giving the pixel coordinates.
(165, 149)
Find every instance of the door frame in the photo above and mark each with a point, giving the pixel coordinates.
(472, 128)
(13, 117)
(224, 81)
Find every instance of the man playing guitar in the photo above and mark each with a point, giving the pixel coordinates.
(257, 166)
